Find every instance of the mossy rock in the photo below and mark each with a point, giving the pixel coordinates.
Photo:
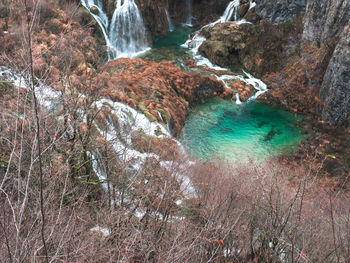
(142, 107)
(4, 12)
(158, 131)
(94, 10)
(149, 116)
(165, 115)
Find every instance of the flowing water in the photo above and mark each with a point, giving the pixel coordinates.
(124, 33)
(217, 128)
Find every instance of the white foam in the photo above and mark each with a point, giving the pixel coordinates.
(103, 230)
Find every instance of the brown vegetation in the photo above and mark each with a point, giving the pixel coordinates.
(178, 212)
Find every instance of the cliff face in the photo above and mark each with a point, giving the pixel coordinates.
(326, 24)
(203, 11)
(154, 16)
(335, 90)
(279, 11)
(325, 20)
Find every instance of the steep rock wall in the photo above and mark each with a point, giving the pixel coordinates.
(325, 20)
(204, 11)
(279, 11)
(335, 90)
(326, 24)
(154, 16)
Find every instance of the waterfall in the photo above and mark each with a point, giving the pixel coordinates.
(189, 16)
(231, 12)
(170, 23)
(125, 34)
(232, 9)
(251, 4)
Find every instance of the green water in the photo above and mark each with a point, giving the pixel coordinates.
(175, 38)
(168, 48)
(222, 129)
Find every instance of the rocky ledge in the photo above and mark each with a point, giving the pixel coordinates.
(162, 91)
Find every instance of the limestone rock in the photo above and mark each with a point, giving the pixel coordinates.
(279, 11)
(154, 16)
(335, 90)
(225, 41)
(325, 20)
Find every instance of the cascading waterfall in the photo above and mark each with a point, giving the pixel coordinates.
(189, 15)
(170, 23)
(125, 34)
(95, 9)
(129, 120)
(251, 4)
(231, 12)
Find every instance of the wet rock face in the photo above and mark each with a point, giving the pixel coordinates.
(154, 16)
(325, 20)
(207, 11)
(204, 11)
(335, 90)
(225, 42)
(262, 47)
(279, 11)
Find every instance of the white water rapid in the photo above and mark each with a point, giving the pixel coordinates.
(231, 12)
(125, 33)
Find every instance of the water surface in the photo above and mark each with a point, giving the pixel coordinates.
(223, 129)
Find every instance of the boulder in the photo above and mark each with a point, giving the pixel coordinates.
(94, 10)
(226, 41)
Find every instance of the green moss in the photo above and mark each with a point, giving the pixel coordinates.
(165, 115)
(288, 25)
(4, 12)
(142, 107)
(149, 116)
(5, 87)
